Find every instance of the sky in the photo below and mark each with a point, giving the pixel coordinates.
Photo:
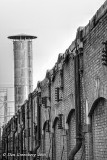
(54, 22)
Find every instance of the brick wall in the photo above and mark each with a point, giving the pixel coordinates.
(58, 142)
(94, 73)
(71, 136)
(71, 132)
(47, 142)
(99, 130)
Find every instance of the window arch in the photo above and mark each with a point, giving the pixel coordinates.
(98, 115)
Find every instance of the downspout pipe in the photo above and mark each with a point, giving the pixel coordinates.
(77, 107)
(13, 142)
(31, 122)
(7, 144)
(38, 125)
(22, 140)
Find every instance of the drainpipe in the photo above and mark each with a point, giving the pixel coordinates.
(31, 122)
(49, 112)
(14, 131)
(7, 134)
(21, 136)
(30, 105)
(38, 124)
(7, 147)
(77, 105)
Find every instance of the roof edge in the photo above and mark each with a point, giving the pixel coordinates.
(21, 36)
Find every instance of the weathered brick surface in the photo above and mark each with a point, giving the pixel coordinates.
(72, 135)
(47, 143)
(99, 129)
(58, 142)
(95, 74)
(93, 68)
(88, 146)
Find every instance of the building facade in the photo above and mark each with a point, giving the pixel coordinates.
(65, 117)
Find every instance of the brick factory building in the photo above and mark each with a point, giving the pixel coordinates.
(65, 117)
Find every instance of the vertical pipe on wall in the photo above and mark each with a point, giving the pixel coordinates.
(88, 120)
(31, 121)
(38, 124)
(77, 107)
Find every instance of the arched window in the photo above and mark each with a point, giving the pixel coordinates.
(99, 128)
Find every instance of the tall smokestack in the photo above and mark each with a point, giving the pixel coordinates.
(23, 70)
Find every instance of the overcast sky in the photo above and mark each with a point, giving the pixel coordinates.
(54, 22)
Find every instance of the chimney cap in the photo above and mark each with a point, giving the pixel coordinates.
(22, 36)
